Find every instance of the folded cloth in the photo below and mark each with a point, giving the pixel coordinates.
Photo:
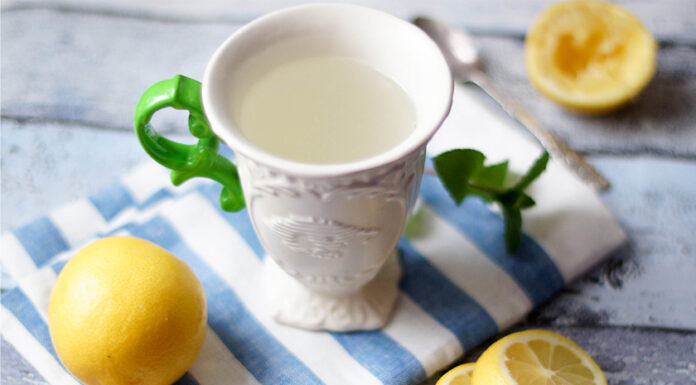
(459, 286)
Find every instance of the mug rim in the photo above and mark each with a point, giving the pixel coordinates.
(240, 145)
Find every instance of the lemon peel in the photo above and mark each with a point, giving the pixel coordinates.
(126, 311)
(459, 375)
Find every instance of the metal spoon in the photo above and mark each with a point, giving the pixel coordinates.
(463, 59)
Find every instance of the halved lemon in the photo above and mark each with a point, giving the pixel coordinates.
(536, 357)
(589, 56)
(459, 375)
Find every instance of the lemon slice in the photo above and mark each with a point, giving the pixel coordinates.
(459, 375)
(536, 357)
(589, 56)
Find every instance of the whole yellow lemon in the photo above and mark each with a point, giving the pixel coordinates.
(126, 311)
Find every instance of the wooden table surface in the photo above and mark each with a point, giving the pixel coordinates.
(73, 70)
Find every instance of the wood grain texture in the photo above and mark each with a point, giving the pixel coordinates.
(627, 356)
(91, 69)
(15, 370)
(659, 121)
(649, 282)
(669, 20)
(46, 165)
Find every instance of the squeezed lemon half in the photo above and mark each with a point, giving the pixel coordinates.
(536, 357)
(459, 375)
(589, 56)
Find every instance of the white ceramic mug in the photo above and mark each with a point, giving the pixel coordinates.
(329, 229)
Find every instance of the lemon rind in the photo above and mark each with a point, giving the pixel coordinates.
(456, 371)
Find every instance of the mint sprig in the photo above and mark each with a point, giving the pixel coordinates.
(464, 173)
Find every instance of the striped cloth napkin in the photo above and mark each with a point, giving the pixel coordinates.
(459, 287)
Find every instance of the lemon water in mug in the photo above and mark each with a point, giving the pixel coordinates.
(325, 109)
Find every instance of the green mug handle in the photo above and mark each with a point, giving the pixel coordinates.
(187, 161)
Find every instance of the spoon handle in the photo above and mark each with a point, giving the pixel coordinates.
(555, 147)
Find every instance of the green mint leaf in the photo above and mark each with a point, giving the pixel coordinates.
(525, 201)
(515, 199)
(486, 193)
(508, 197)
(537, 168)
(513, 228)
(455, 168)
(493, 175)
(463, 172)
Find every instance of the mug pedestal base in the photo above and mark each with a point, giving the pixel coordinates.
(370, 308)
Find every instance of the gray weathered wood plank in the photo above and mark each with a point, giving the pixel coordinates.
(649, 282)
(669, 20)
(91, 69)
(628, 356)
(14, 369)
(46, 165)
(661, 120)
(655, 201)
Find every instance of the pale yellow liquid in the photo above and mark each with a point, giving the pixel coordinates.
(325, 110)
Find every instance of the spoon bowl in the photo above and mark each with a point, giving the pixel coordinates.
(464, 61)
(456, 44)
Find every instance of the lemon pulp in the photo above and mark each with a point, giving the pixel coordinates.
(538, 361)
(589, 56)
(459, 375)
(536, 357)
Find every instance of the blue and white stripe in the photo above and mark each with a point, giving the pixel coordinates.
(459, 287)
